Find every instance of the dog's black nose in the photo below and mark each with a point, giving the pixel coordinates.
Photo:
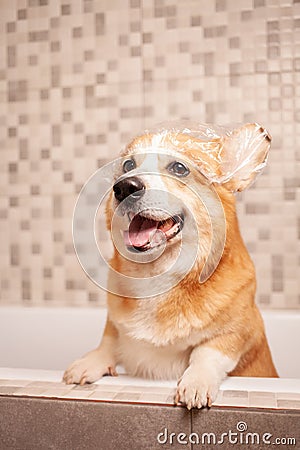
(132, 186)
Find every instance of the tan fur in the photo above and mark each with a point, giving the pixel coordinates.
(197, 332)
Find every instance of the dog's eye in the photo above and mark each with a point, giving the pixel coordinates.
(129, 165)
(179, 169)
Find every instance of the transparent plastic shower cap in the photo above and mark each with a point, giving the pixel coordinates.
(231, 155)
(199, 130)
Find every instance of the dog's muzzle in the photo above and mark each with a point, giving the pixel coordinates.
(131, 186)
(146, 229)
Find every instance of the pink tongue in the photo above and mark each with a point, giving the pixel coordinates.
(140, 231)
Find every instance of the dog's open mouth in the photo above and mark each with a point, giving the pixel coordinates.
(145, 233)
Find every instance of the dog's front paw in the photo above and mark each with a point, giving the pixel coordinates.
(89, 368)
(197, 389)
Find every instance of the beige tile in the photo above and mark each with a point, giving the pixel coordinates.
(77, 394)
(147, 389)
(219, 399)
(57, 392)
(231, 401)
(262, 399)
(105, 396)
(288, 404)
(8, 390)
(30, 391)
(288, 396)
(235, 394)
(127, 396)
(154, 398)
(233, 398)
(107, 388)
(85, 387)
(46, 384)
(170, 400)
(18, 383)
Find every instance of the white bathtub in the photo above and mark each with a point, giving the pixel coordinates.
(50, 338)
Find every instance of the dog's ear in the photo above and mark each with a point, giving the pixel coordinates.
(244, 154)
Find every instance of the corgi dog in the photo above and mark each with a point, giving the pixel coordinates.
(192, 315)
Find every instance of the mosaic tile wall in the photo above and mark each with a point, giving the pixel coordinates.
(79, 77)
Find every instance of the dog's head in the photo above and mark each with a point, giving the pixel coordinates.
(171, 182)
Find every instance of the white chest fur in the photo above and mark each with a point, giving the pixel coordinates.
(140, 358)
(144, 352)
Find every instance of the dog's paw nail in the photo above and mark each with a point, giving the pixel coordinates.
(196, 392)
(69, 380)
(112, 371)
(83, 380)
(177, 398)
